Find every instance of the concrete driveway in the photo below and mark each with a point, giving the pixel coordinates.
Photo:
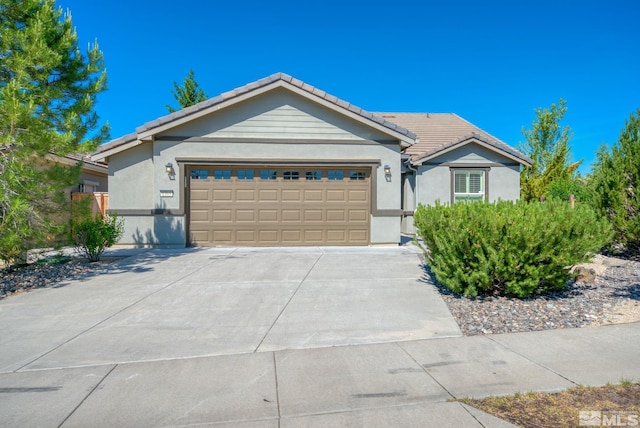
(169, 304)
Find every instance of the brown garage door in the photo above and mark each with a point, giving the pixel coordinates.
(279, 206)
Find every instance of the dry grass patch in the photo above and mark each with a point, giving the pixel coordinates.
(562, 409)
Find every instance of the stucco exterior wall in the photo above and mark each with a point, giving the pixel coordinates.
(289, 127)
(101, 179)
(434, 179)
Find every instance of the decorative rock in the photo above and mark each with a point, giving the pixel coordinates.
(578, 305)
(585, 274)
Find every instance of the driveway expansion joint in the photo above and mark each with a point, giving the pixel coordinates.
(284, 308)
(88, 395)
(424, 369)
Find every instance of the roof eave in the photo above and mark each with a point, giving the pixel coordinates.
(149, 130)
(420, 160)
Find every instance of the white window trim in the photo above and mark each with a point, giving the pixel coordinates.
(477, 196)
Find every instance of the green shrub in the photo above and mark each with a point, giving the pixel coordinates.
(92, 235)
(509, 248)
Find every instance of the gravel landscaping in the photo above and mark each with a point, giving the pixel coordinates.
(614, 297)
(46, 273)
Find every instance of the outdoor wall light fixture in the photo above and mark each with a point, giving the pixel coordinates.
(387, 172)
(169, 169)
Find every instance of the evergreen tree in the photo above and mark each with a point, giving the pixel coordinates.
(190, 93)
(615, 181)
(48, 88)
(547, 144)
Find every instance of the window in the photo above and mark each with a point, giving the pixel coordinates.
(199, 174)
(314, 175)
(246, 174)
(222, 174)
(291, 175)
(469, 185)
(357, 175)
(268, 175)
(335, 175)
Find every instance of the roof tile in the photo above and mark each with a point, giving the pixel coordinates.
(438, 131)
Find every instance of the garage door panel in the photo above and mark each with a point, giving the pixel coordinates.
(222, 215)
(268, 215)
(294, 195)
(358, 196)
(267, 195)
(313, 215)
(313, 195)
(313, 236)
(222, 236)
(358, 216)
(200, 236)
(315, 209)
(336, 236)
(248, 215)
(358, 235)
(291, 216)
(268, 237)
(200, 195)
(246, 195)
(200, 216)
(222, 195)
(292, 237)
(336, 215)
(336, 196)
(246, 237)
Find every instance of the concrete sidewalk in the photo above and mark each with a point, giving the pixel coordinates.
(392, 384)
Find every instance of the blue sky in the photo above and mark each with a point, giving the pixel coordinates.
(491, 62)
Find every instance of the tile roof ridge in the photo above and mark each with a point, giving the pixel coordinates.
(481, 131)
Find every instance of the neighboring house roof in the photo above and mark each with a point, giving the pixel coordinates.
(438, 133)
(72, 159)
(149, 129)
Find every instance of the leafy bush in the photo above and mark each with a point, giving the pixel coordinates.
(92, 235)
(505, 247)
(577, 186)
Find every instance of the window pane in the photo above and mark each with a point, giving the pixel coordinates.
(460, 182)
(475, 182)
(335, 175)
(222, 174)
(357, 175)
(200, 174)
(291, 175)
(468, 185)
(314, 175)
(268, 175)
(245, 174)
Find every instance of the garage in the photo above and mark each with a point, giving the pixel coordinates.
(279, 205)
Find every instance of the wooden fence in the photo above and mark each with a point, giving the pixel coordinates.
(99, 204)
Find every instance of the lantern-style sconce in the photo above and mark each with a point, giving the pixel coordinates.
(387, 172)
(169, 170)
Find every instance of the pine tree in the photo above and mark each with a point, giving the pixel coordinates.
(615, 181)
(48, 88)
(547, 144)
(190, 93)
